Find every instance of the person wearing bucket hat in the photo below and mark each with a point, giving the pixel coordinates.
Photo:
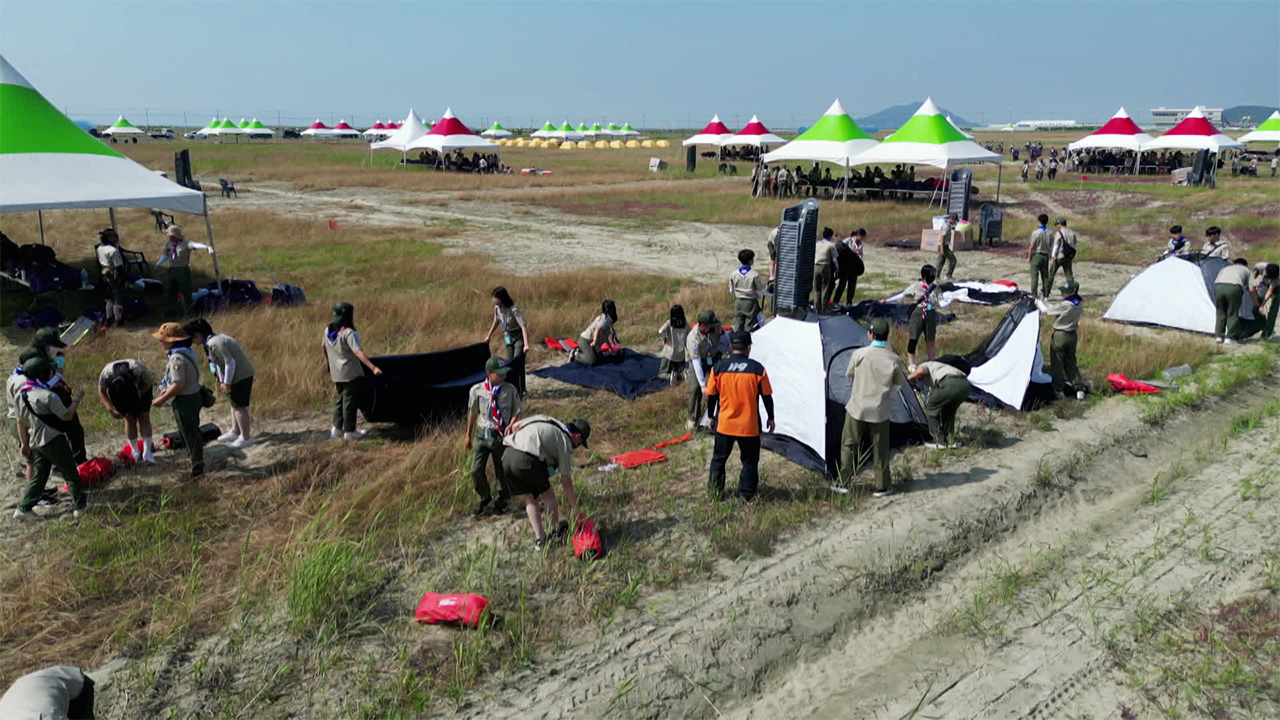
(50, 345)
(181, 389)
(703, 350)
(1064, 252)
(177, 254)
(876, 373)
(1038, 250)
(538, 447)
(345, 355)
(1062, 346)
(41, 433)
(494, 407)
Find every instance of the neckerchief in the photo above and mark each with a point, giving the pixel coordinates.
(34, 384)
(1073, 299)
(18, 371)
(744, 270)
(332, 335)
(1044, 228)
(879, 343)
(495, 412)
(173, 248)
(928, 304)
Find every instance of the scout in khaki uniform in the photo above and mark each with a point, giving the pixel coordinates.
(1066, 329)
(1266, 295)
(111, 262)
(876, 374)
(946, 248)
(703, 351)
(343, 353)
(590, 350)
(950, 390)
(824, 271)
(515, 331)
(674, 335)
(60, 692)
(494, 407)
(12, 386)
(41, 414)
(924, 296)
(125, 390)
(1038, 251)
(234, 373)
(181, 385)
(1228, 295)
(50, 344)
(538, 447)
(747, 288)
(177, 253)
(1064, 252)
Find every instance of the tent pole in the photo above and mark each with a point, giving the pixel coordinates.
(208, 228)
(111, 213)
(40, 219)
(999, 178)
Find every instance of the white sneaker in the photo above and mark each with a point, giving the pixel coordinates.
(1218, 340)
(689, 425)
(20, 514)
(358, 434)
(1228, 341)
(335, 433)
(242, 442)
(148, 458)
(936, 446)
(882, 493)
(228, 436)
(77, 514)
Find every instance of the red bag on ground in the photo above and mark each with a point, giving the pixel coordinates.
(94, 472)
(127, 456)
(438, 609)
(636, 458)
(586, 541)
(1122, 384)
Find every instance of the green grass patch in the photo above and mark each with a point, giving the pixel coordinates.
(330, 588)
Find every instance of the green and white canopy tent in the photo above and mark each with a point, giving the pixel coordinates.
(243, 124)
(48, 163)
(625, 131)
(565, 132)
(496, 131)
(834, 138)
(255, 128)
(929, 138)
(613, 130)
(547, 130)
(123, 127)
(1268, 131)
(204, 131)
(597, 131)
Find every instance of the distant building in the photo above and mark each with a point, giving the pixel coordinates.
(1044, 124)
(1163, 117)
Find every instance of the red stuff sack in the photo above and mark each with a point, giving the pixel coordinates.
(127, 456)
(438, 609)
(636, 458)
(94, 472)
(1122, 384)
(586, 541)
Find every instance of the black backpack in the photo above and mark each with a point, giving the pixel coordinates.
(850, 264)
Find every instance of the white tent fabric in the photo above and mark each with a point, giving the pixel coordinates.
(408, 133)
(451, 134)
(1007, 375)
(1269, 131)
(791, 352)
(1172, 293)
(122, 127)
(709, 138)
(1201, 136)
(752, 136)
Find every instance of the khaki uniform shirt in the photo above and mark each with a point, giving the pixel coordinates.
(511, 320)
(481, 400)
(344, 366)
(674, 342)
(822, 254)
(181, 368)
(179, 255)
(1233, 275)
(139, 372)
(876, 373)
(1041, 241)
(543, 438)
(43, 402)
(1064, 237)
(11, 388)
(701, 347)
(223, 348)
(42, 695)
(109, 257)
(748, 286)
(604, 324)
(1218, 250)
(1066, 315)
(936, 371)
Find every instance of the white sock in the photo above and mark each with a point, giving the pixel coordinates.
(146, 446)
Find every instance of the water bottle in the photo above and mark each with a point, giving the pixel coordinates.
(84, 278)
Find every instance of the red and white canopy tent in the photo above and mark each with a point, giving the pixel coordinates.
(344, 129)
(318, 129)
(713, 134)
(1195, 132)
(1119, 133)
(378, 130)
(450, 134)
(754, 134)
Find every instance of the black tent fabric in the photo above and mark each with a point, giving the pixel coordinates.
(634, 375)
(841, 335)
(426, 387)
(985, 297)
(894, 312)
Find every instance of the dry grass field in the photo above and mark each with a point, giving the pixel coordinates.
(283, 584)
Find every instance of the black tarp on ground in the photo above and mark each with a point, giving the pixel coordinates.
(895, 313)
(634, 375)
(426, 387)
(841, 335)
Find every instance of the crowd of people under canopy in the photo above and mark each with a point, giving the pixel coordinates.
(457, 161)
(779, 181)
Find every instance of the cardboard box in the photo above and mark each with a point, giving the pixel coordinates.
(930, 240)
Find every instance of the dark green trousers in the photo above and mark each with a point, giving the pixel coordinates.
(1040, 273)
(1062, 355)
(1270, 328)
(851, 453)
(346, 404)
(178, 281)
(186, 411)
(513, 350)
(1227, 298)
(824, 285)
(1063, 264)
(744, 313)
(53, 455)
(947, 259)
(484, 447)
(942, 405)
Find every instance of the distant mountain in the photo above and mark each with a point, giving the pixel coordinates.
(1256, 113)
(897, 116)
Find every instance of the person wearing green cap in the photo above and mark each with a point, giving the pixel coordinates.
(345, 355)
(538, 447)
(1063, 254)
(13, 385)
(946, 248)
(1062, 346)
(1038, 250)
(703, 351)
(494, 406)
(950, 390)
(41, 420)
(876, 373)
(50, 344)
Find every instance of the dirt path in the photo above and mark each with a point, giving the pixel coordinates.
(855, 618)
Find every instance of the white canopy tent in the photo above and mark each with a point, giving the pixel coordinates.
(754, 134)
(403, 137)
(1195, 132)
(714, 133)
(123, 127)
(834, 138)
(1118, 133)
(451, 134)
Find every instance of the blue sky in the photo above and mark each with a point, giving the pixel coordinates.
(652, 62)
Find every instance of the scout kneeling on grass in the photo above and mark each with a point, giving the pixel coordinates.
(494, 407)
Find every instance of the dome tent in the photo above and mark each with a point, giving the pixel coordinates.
(1176, 292)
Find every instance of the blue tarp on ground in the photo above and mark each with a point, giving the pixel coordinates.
(636, 374)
